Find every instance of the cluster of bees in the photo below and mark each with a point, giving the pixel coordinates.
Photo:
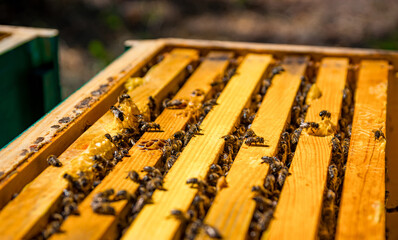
(97, 161)
(192, 220)
(266, 196)
(171, 149)
(340, 145)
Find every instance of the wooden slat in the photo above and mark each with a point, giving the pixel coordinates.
(25, 215)
(362, 212)
(233, 207)
(279, 50)
(17, 171)
(153, 222)
(93, 226)
(299, 208)
(391, 154)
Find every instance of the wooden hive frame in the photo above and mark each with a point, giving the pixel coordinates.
(198, 63)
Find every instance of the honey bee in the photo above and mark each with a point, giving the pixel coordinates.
(334, 181)
(216, 168)
(218, 84)
(165, 102)
(149, 126)
(329, 210)
(99, 158)
(192, 229)
(211, 231)
(283, 150)
(179, 135)
(263, 202)
(155, 183)
(349, 129)
(119, 141)
(117, 113)
(193, 129)
(123, 97)
(265, 85)
(285, 137)
(295, 114)
(53, 227)
(141, 201)
(170, 162)
(325, 114)
(190, 69)
(307, 125)
(212, 177)
(336, 146)
(178, 214)
(98, 168)
(347, 96)
(198, 205)
(201, 199)
(153, 172)
(269, 182)
(267, 217)
(197, 182)
(70, 179)
(134, 176)
(277, 70)
(226, 158)
(122, 195)
(54, 161)
(209, 190)
(57, 217)
(103, 208)
(70, 209)
(378, 134)
(107, 193)
(257, 98)
(294, 138)
(345, 146)
(314, 125)
(254, 140)
(230, 139)
(274, 163)
(210, 103)
(247, 116)
(197, 93)
(282, 174)
(249, 133)
(175, 104)
(261, 190)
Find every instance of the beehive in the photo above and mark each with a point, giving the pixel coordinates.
(213, 181)
(30, 78)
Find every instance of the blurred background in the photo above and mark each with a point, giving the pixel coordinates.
(92, 32)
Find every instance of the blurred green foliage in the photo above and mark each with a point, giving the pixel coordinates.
(112, 20)
(97, 50)
(389, 42)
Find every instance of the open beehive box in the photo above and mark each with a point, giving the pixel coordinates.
(204, 139)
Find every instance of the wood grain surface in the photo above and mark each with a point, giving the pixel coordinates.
(90, 225)
(233, 207)
(154, 221)
(299, 208)
(362, 210)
